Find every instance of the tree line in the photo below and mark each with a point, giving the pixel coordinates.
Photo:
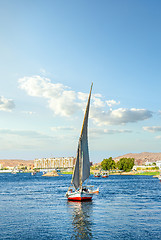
(125, 164)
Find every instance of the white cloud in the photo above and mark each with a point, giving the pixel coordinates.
(65, 102)
(38, 86)
(98, 131)
(119, 116)
(152, 129)
(60, 98)
(82, 96)
(110, 103)
(6, 104)
(98, 103)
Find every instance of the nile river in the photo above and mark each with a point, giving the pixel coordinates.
(35, 207)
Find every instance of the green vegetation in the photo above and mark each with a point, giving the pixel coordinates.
(66, 172)
(125, 164)
(148, 173)
(147, 168)
(108, 164)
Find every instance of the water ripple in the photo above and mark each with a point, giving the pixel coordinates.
(34, 207)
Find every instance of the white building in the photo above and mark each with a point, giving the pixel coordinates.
(147, 163)
(158, 164)
(53, 163)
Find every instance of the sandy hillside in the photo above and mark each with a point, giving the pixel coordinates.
(15, 162)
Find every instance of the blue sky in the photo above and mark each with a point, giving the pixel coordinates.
(51, 51)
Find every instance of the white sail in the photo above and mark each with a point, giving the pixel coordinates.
(82, 166)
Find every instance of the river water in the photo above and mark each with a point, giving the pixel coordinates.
(35, 207)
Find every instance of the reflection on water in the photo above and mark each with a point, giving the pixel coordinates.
(81, 219)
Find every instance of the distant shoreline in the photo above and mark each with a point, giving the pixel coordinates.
(156, 174)
(148, 173)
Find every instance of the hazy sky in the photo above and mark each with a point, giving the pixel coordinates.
(51, 51)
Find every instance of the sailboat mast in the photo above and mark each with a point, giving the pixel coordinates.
(87, 109)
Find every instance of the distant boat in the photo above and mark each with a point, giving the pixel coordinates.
(97, 174)
(159, 177)
(33, 173)
(82, 167)
(105, 174)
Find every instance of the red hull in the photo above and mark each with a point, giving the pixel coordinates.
(104, 176)
(80, 199)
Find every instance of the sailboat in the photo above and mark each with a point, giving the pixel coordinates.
(79, 192)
